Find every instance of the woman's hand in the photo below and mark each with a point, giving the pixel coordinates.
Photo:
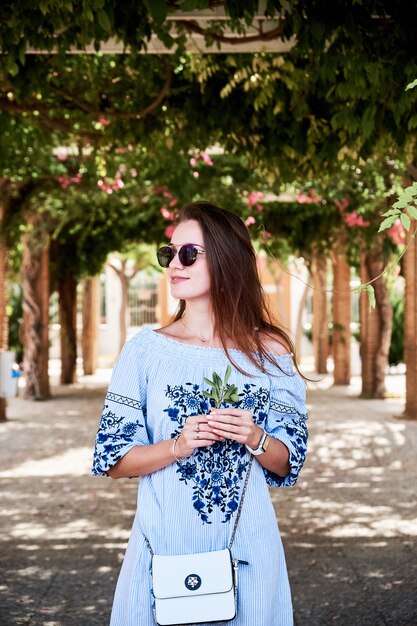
(238, 425)
(196, 433)
(235, 424)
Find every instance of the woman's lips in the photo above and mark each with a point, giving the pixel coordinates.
(178, 279)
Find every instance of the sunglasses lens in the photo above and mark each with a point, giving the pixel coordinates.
(165, 256)
(187, 255)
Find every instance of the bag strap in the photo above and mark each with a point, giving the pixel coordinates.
(239, 510)
(242, 497)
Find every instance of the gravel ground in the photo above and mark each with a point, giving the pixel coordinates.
(349, 526)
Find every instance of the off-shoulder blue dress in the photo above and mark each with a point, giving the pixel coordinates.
(190, 506)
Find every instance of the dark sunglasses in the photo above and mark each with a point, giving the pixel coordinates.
(187, 254)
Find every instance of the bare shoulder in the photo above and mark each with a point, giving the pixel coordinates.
(173, 331)
(275, 344)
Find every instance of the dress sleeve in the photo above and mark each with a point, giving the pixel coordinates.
(286, 421)
(122, 424)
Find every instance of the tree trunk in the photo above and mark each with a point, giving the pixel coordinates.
(376, 325)
(341, 315)
(410, 328)
(90, 315)
(320, 322)
(67, 291)
(299, 323)
(35, 279)
(4, 325)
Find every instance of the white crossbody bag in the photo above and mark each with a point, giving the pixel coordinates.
(197, 588)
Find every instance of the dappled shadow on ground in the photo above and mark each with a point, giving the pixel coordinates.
(349, 526)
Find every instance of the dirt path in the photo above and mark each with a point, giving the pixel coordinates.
(349, 526)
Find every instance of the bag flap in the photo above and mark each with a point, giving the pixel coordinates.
(192, 574)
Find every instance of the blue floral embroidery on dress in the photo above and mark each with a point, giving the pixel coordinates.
(216, 472)
(297, 432)
(115, 431)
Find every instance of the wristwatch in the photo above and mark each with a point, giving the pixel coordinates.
(262, 445)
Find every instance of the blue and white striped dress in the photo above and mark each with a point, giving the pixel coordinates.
(190, 506)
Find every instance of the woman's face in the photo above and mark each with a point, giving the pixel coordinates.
(189, 282)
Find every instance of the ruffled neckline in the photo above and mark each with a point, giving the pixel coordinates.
(175, 343)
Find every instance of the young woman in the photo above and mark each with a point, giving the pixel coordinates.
(158, 424)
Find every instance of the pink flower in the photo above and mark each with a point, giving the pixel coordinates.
(103, 121)
(196, 174)
(314, 197)
(133, 172)
(266, 235)
(303, 198)
(166, 214)
(118, 183)
(166, 194)
(193, 162)
(250, 220)
(397, 233)
(342, 204)
(254, 198)
(206, 159)
(353, 219)
(169, 231)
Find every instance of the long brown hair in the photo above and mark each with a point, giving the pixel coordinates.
(237, 298)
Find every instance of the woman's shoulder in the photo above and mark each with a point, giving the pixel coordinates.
(275, 344)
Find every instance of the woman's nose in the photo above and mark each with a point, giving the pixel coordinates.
(176, 261)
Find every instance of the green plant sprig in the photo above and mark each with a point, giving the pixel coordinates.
(221, 391)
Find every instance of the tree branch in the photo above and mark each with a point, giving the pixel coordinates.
(194, 27)
(44, 118)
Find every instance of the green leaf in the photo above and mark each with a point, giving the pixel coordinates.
(235, 398)
(413, 211)
(158, 10)
(403, 201)
(227, 374)
(387, 223)
(371, 295)
(412, 122)
(405, 221)
(391, 212)
(13, 68)
(104, 21)
(217, 380)
(209, 382)
(411, 85)
(206, 394)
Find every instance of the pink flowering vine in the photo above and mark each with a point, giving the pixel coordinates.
(353, 219)
(201, 156)
(109, 186)
(397, 233)
(169, 231)
(303, 198)
(66, 181)
(254, 200)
